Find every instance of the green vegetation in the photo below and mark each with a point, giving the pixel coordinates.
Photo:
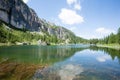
(112, 52)
(111, 41)
(8, 35)
(93, 41)
(112, 46)
(15, 36)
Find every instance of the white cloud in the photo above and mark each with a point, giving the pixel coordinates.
(97, 33)
(103, 58)
(70, 17)
(25, 1)
(70, 2)
(77, 6)
(103, 30)
(69, 71)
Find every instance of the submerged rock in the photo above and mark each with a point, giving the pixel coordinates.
(66, 72)
(15, 71)
(46, 74)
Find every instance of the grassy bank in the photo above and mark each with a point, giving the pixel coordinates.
(113, 46)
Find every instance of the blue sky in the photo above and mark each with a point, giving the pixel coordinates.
(86, 18)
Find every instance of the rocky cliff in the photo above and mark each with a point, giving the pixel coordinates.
(17, 14)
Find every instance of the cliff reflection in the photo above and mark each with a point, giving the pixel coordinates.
(38, 54)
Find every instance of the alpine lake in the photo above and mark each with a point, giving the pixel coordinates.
(62, 62)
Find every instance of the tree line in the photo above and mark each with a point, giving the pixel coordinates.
(110, 39)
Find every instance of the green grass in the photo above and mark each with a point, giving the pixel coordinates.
(113, 46)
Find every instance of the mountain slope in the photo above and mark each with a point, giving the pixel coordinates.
(17, 15)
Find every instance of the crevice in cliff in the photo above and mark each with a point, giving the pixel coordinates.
(4, 10)
(10, 12)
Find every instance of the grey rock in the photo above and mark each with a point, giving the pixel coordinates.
(19, 15)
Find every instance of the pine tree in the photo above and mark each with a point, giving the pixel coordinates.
(112, 38)
(118, 36)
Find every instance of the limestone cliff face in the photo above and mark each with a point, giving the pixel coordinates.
(18, 15)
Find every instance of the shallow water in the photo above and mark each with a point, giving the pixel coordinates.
(70, 62)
